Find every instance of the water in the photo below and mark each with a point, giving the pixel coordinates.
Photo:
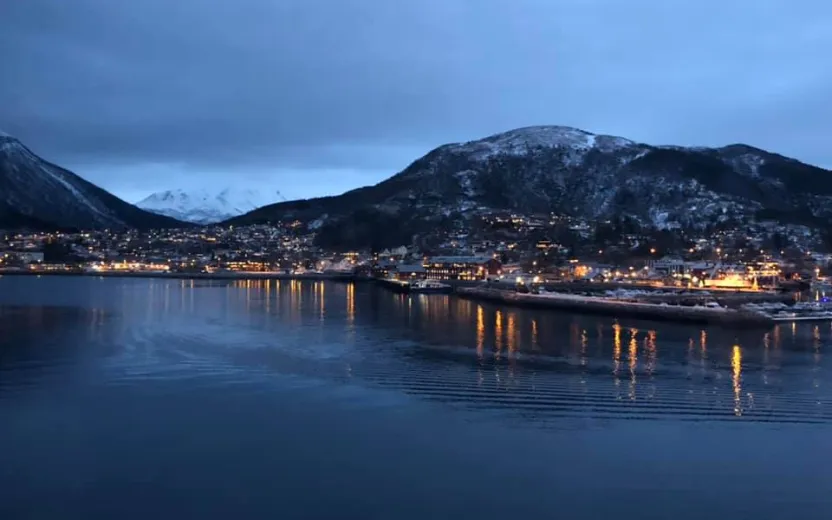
(126, 398)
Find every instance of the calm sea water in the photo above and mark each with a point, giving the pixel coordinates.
(133, 398)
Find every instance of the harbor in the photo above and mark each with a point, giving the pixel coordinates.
(728, 308)
(416, 286)
(624, 308)
(722, 307)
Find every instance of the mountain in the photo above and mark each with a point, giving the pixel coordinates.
(37, 194)
(207, 207)
(570, 172)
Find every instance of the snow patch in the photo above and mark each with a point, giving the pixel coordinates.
(205, 206)
(521, 140)
(465, 179)
(317, 223)
(72, 189)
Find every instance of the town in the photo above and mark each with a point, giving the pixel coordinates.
(501, 246)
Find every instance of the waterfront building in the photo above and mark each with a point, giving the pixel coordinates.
(406, 272)
(461, 267)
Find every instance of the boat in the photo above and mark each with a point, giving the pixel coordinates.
(429, 287)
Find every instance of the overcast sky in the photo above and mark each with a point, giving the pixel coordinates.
(315, 97)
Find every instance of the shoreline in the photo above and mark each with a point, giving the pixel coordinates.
(228, 275)
(654, 311)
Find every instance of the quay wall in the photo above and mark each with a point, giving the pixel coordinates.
(595, 305)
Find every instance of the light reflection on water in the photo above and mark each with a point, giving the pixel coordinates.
(436, 348)
(273, 399)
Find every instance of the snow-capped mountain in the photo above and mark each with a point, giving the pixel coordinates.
(572, 172)
(37, 194)
(208, 207)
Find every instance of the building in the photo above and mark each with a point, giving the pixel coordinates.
(668, 265)
(384, 268)
(410, 272)
(461, 267)
(256, 266)
(24, 257)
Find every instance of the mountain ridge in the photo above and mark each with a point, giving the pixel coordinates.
(39, 194)
(203, 206)
(556, 169)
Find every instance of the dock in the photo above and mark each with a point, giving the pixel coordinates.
(607, 306)
(394, 285)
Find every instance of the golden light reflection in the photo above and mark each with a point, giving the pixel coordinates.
(322, 300)
(703, 343)
(633, 358)
(480, 330)
(351, 302)
(498, 333)
(511, 333)
(535, 344)
(736, 378)
(268, 296)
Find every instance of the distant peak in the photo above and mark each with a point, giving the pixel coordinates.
(205, 205)
(5, 134)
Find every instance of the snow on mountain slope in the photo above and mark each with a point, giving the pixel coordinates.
(567, 171)
(519, 141)
(34, 192)
(206, 206)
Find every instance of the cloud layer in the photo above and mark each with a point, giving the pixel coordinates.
(318, 96)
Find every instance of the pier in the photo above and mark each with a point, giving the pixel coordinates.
(608, 306)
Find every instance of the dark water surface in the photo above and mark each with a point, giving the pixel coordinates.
(133, 398)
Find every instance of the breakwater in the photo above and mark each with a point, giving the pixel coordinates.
(631, 309)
